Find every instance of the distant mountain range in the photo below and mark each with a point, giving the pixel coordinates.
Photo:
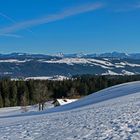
(78, 55)
(38, 65)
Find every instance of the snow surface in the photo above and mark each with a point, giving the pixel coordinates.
(113, 114)
(105, 63)
(72, 61)
(128, 64)
(13, 61)
(55, 78)
(109, 72)
(124, 72)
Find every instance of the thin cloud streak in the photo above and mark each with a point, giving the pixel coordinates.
(11, 35)
(52, 18)
(7, 17)
(128, 7)
(11, 20)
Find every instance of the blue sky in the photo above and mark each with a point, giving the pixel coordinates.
(69, 26)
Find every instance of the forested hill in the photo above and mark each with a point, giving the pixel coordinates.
(17, 93)
(30, 65)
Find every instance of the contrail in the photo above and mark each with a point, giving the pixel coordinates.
(7, 17)
(11, 20)
(52, 18)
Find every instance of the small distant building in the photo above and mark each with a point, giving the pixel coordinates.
(59, 102)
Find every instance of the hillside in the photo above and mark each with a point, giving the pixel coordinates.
(30, 65)
(112, 113)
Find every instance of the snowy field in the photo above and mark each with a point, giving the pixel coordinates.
(111, 114)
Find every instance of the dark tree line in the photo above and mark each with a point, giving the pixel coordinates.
(22, 93)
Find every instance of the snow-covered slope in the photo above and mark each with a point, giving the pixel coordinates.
(112, 113)
(29, 65)
(19, 110)
(107, 94)
(54, 78)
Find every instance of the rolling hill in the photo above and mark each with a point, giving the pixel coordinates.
(112, 113)
(36, 65)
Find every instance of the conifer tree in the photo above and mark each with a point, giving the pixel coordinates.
(1, 101)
